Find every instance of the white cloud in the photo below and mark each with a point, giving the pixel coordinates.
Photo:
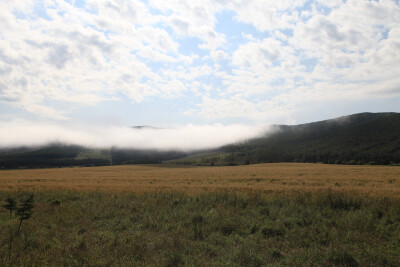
(257, 55)
(267, 16)
(45, 111)
(157, 38)
(351, 54)
(188, 137)
(55, 57)
(82, 57)
(192, 18)
(219, 55)
(131, 10)
(212, 109)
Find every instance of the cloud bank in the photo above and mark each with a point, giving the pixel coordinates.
(247, 59)
(185, 138)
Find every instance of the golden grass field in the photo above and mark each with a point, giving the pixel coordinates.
(279, 177)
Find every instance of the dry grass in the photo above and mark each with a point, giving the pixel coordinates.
(282, 177)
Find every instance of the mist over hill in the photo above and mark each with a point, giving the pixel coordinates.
(365, 138)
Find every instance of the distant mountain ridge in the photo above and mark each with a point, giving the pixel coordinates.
(143, 127)
(58, 155)
(364, 138)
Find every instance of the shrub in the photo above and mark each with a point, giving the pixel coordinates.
(174, 259)
(272, 231)
(197, 222)
(227, 228)
(342, 258)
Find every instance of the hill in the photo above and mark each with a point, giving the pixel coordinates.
(59, 155)
(365, 138)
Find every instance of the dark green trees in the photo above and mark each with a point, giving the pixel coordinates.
(24, 211)
(10, 205)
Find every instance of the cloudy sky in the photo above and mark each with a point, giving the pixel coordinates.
(171, 63)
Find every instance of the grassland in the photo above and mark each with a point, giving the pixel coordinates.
(257, 215)
(94, 154)
(280, 177)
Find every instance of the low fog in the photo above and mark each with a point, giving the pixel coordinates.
(184, 138)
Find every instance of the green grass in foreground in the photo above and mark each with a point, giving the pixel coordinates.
(214, 229)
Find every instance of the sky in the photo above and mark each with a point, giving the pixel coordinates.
(211, 64)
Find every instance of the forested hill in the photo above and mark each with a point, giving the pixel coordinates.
(59, 155)
(365, 138)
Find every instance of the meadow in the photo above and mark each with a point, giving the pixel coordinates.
(262, 178)
(160, 215)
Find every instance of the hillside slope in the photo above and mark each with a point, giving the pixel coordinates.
(365, 138)
(58, 155)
